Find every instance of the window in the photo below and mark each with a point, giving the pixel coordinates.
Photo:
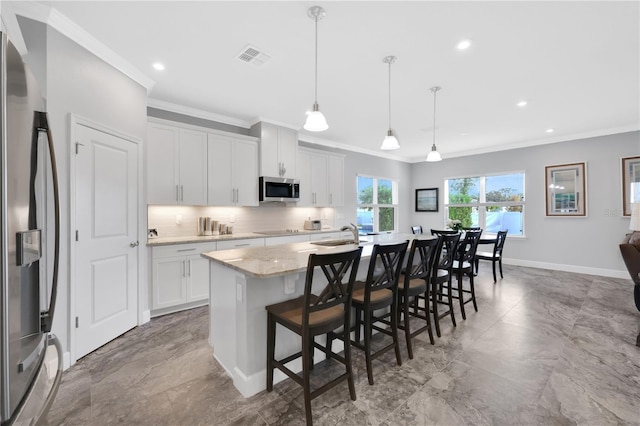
(492, 202)
(377, 204)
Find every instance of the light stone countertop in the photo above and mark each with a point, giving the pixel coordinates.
(264, 262)
(163, 241)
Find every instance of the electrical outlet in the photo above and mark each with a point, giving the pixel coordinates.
(178, 219)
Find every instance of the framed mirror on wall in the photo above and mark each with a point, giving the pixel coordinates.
(630, 175)
(566, 189)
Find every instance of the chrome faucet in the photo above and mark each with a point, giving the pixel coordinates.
(354, 230)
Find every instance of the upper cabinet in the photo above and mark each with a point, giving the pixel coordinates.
(278, 150)
(233, 171)
(321, 178)
(176, 165)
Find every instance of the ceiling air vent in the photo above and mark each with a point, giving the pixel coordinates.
(253, 55)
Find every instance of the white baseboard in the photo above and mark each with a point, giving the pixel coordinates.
(146, 317)
(66, 361)
(257, 382)
(611, 273)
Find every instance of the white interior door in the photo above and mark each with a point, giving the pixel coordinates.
(106, 266)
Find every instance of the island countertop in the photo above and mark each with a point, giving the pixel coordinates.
(273, 261)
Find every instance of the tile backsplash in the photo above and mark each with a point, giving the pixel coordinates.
(243, 219)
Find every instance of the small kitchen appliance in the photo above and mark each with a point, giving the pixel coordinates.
(312, 225)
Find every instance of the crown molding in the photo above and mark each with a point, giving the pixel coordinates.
(332, 144)
(198, 113)
(56, 20)
(536, 142)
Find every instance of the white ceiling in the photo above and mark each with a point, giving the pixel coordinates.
(576, 63)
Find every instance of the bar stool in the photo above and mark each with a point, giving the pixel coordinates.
(496, 255)
(463, 265)
(445, 255)
(378, 292)
(310, 316)
(413, 282)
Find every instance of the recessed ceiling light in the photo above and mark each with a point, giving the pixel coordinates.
(158, 66)
(522, 103)
(550, 130)
(463, 44)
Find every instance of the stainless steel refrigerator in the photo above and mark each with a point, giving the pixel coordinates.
(30, 357)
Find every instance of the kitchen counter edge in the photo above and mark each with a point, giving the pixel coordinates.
(165, 241)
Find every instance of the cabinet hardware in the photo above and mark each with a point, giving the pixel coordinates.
(190, 249)
(77, 145)
(177, 193)
(189, 265)
(134, 244)
(184, 269)
(77, 235)
(242, 245)
(181, 193)
(77, 322)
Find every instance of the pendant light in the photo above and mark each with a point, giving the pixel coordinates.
(390, 141)
(434, 155)
(315, 119)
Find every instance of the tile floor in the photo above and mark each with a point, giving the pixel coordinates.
(545, 348)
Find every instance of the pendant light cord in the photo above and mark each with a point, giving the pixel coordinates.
(435, 93)
(316, 86)
(390, 95)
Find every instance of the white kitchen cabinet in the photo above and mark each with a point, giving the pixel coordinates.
(179, 277)
(233, 171)
(244, 243)
(278, 150)
(321, 178)
(336, 180)
(176, 165)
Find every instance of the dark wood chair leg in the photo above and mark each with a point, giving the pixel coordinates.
(306, 380)
(407, 331)
(358, 324)
(500, 263)
(394, 331)
(450, 300)
(271, 347)
(367, 345)
(493, 264)
(311, 353)
(434, 304)
(473, 292)
(426, 313)
(461, 295)
(347, 359)
(329, 342)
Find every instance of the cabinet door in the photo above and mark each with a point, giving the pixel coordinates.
(287, 151)
(193, 167)
(306, 190)
(245, 164)
(168, 282)
(162, 167)
(220, 174)
(336, 181)
(244, 243)
(319, 179)
(197, 278)
(269, 150)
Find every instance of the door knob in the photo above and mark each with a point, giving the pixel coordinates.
(134, 244)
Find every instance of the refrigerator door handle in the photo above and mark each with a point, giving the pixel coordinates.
(41, 124)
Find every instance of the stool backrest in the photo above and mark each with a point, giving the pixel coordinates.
(385, 267)
(500, 240)
(448, 249)
(335, 267)
(425, 250)
(468, 246)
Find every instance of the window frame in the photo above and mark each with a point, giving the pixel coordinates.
(482, 203)
(395, 195)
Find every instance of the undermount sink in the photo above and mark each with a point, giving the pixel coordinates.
(336, 242)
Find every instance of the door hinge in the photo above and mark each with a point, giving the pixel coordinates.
(77, 322)
(76, 235)
(77, 145)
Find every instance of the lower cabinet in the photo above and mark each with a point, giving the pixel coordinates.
(180, 277)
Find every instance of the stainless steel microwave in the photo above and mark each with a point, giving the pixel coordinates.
(279, 189)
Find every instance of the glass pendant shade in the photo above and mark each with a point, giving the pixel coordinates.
(390, 142)
(433, 155)
(315, 121)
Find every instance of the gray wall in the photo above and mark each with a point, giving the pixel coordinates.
(588, 244)
(80, 83)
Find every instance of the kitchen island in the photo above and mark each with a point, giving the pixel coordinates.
(244, 281)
